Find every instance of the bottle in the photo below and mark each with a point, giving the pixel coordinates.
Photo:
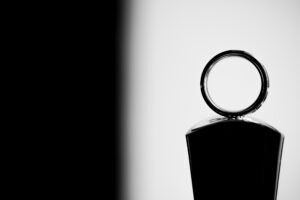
(234, 157)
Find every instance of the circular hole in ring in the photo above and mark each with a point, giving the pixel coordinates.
(233, 83)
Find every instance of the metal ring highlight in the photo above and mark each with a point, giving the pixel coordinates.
(264, 84)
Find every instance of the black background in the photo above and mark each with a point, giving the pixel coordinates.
(62, 99)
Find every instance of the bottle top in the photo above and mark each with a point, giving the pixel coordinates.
(255, 105)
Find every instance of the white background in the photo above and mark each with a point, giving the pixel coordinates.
(167, 44)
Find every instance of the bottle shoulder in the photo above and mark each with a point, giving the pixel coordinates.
(216, 120)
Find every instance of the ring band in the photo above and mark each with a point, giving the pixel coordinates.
(264, 83)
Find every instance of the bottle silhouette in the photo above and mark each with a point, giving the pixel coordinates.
(234, 157)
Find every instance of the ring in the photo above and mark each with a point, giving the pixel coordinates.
(264, 83)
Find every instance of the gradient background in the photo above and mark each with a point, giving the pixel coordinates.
(166, 44)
